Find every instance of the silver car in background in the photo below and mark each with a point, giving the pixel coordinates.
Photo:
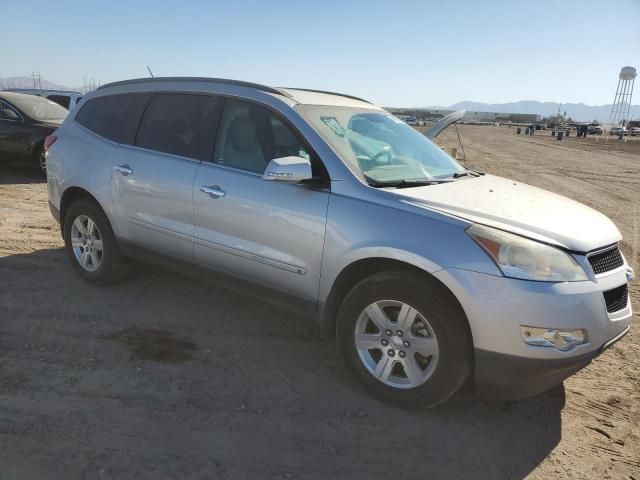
(430, 275)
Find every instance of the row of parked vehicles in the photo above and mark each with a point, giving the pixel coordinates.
(429, 274)
(633, 131)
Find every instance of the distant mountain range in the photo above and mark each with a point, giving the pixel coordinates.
(27, 82)
(577, 111)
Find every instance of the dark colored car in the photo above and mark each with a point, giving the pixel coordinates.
(25, 122)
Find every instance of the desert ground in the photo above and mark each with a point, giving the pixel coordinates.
(163, 376)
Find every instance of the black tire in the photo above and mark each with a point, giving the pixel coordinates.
(40, 161)
(112, 267)
(446, 319)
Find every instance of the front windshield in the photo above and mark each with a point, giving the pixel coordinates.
(379, 146)
(40, 108)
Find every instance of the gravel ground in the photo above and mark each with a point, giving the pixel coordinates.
(169, 377)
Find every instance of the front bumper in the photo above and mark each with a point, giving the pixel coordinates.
(508, 377)
(496, 307)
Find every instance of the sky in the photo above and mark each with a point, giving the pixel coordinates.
(394, 53)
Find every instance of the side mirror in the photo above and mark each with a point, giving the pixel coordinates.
(288, 169)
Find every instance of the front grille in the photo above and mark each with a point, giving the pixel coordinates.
(616, 299)
(606, 261)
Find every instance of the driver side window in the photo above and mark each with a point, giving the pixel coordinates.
(7, 112)
(250, 136)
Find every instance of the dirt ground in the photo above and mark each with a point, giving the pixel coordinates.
(168, 377)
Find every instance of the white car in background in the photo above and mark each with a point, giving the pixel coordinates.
(618, 131)
(64, 98)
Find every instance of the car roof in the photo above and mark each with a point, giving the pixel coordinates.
(45, 91)
(296, 95)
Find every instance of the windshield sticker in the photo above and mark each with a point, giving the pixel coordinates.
(334, 124)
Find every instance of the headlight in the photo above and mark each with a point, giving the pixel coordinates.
(519, 257)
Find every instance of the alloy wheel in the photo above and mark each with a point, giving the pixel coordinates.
(396, 344)
(86, 242)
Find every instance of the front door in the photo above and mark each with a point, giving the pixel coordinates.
(15, 135)
(264, 231)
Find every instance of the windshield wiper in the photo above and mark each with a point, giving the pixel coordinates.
(407, 183)
(469, 173)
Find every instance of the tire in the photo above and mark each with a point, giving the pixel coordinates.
(437, 318)
(98, 260)
(41, 161)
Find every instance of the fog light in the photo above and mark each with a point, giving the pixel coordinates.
(562, 339)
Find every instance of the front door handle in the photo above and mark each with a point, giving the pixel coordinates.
(124, 170)
(214, 191)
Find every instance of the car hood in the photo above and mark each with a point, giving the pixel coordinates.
(443, 123)
(518, 208)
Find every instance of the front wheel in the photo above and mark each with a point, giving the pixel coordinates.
(405, 341)
(91, 245)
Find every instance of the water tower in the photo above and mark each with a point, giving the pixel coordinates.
(622, 101)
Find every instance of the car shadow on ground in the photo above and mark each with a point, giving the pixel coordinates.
(166, 376)
(13, 174)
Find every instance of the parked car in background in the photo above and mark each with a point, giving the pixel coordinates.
(25, 122)
(618, 131)
(428, 273)
(595, 129)
(635, 131)
(66, 99)
(410, 120)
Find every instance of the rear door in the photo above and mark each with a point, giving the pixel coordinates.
(152, 177)
(264, 231)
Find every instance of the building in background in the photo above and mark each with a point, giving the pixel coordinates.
(490, 117)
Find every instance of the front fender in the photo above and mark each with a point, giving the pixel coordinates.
(358, 229)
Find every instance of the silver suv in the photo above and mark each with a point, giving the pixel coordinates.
(429, 274)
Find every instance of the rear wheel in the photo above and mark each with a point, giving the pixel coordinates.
(91, 245)
(404, 340)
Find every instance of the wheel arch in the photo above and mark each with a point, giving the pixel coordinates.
(360, 269)
(71, 195)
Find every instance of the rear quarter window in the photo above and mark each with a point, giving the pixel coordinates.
(115, 117)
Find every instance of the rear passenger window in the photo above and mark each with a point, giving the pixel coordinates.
(180, 124)
(115, 117)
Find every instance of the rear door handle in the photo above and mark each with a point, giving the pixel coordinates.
(214, 191)
(124, 170)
